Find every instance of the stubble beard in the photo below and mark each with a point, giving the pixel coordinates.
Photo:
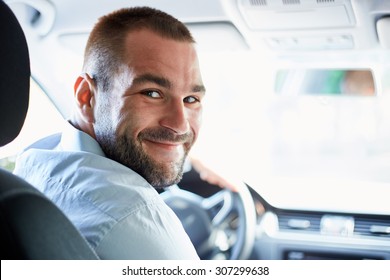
(130, 152)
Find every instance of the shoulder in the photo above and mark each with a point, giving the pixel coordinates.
(152, 232)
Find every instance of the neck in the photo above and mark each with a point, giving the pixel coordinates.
(81, 125)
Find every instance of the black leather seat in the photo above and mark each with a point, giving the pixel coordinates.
(31, 226)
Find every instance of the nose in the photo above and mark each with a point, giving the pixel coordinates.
(175, 117)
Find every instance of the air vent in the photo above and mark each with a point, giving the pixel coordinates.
(258, 2)
(295, 221)
(372, 227)
(291, 2)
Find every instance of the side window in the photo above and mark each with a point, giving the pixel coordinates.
(42, 119)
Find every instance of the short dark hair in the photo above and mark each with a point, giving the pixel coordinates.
(105, 50)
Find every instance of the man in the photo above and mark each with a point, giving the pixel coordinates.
(137, 114)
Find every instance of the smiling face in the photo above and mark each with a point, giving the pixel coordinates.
(151, 116)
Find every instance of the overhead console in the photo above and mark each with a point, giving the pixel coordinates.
(309, 24)
(295, 14)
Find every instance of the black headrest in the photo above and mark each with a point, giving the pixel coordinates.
(14, 76)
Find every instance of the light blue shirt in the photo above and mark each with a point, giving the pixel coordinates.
(120, 214)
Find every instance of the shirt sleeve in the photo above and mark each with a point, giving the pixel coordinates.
(151, 232)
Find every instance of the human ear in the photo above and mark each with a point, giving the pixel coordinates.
(84, 91)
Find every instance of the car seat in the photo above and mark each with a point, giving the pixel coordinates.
(31, 226)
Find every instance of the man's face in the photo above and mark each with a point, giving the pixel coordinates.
(152, 115)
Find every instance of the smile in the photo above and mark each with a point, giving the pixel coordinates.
(165, 144)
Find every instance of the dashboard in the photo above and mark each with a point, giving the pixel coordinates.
(291, 234)
(284, 234)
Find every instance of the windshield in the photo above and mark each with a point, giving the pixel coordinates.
(268, 134)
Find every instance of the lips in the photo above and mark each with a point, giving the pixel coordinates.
(166, 137)
(164, 151)
(165, 144)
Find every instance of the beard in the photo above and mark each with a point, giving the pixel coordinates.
(130, 152)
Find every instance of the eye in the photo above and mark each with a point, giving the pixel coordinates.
(152, 94)
(191, 99)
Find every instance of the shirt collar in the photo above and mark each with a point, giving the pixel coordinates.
(73, 139)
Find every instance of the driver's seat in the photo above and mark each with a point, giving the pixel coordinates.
(32, 227)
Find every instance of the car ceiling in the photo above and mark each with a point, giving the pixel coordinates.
(295, 30)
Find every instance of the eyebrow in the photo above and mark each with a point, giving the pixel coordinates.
(163, 82)
(154, 79)
(199, 88)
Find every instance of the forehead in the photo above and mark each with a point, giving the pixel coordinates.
(146, 50)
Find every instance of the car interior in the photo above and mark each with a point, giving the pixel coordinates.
(296, 112)
(32, 227)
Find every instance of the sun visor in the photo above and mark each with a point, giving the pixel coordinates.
(217, 36)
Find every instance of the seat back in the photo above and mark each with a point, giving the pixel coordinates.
(31, 226)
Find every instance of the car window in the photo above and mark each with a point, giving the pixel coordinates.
(42, 119)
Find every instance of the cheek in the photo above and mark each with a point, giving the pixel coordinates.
(131, 121)
(127, 125)
(196, 122)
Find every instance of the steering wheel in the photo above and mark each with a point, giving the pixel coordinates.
(221, 226)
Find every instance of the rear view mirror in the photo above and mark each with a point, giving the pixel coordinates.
(356, 82)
